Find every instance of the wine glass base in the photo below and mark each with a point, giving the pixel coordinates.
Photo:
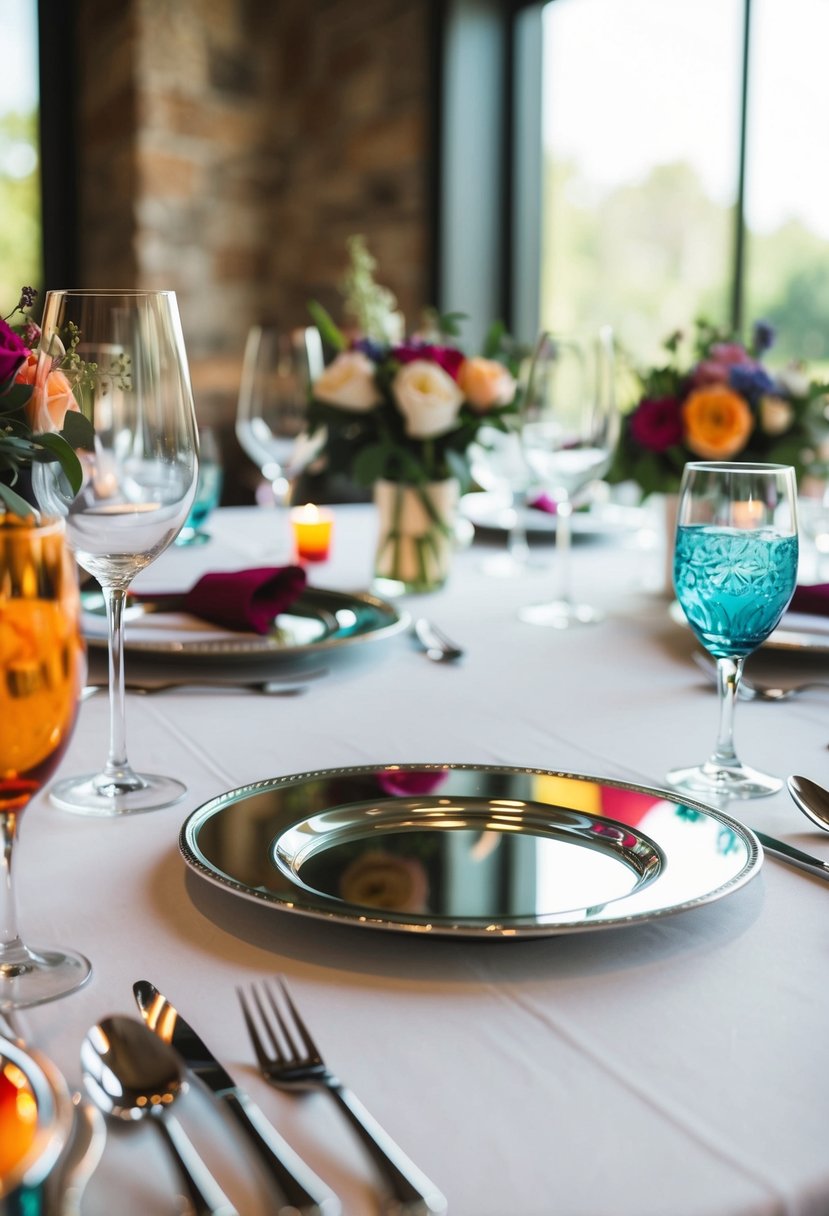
(189, 537)
(711, 781)
(32, 976)
(94, 795)
(560, 614)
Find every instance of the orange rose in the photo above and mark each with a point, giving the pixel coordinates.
(717, 422)
(485, 383)
(51, 397)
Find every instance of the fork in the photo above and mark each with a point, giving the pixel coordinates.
(749, 690)
(292, 1061)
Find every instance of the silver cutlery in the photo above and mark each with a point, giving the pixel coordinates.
(792, 856)
(131, 1073)
(751, 690)
(435, 643)
(304, 1193)
(812, 799)
(292, 1061)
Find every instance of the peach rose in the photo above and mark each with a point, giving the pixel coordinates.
(51, 398)
(348, 382)
(485, 383)
(776, 415)
(429, 399)
(717, 423)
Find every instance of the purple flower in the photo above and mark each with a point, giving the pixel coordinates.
(28, 295)
(764, 335)
(750, 382)
(375, 351)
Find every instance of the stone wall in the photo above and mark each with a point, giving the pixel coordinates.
(229, 147)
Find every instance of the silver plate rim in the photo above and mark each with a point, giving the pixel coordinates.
(259, 647)
(330, 910)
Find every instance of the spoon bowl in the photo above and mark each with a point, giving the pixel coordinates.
(132, 1074)
(812, 799)
(436, 645)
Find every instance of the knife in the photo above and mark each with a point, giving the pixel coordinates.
(306, 1195)
(795, 857)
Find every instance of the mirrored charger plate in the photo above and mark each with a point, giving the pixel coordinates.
(467, 850)
(318, 621)
(491, 511)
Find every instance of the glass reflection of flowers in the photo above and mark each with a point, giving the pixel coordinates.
(726, 404)
(40, 420)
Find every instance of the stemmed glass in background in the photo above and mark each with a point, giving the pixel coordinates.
(271, 416)
(42, 668)
(123, 354)
(208, 491)
(735, 570)
(498, 465)
(570, 425)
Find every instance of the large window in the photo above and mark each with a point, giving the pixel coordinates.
(20, 219)
(645, 219)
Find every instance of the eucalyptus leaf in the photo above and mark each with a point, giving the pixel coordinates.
(13, 502)
(330, 332)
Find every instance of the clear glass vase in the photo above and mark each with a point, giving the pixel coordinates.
(416, 535)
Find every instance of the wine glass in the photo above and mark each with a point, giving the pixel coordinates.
(42, 668)
(277, 372)
(208, 491)
(735, 569)
(498, 465)
(570, 424)
(123, 355)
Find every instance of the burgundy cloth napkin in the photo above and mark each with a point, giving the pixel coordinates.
(239, 599)
(814, 599)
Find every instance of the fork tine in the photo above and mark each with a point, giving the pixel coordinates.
(303, 1030)
(255, 1037)
(293, 1050)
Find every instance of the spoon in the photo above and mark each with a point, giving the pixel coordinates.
(131, 1073)
(812, 799)
(751, 691)
(438, 647)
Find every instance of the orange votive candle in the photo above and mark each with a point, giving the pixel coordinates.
(312, 532)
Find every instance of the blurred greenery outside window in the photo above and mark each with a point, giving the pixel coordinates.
(21, 257)
(645, 221)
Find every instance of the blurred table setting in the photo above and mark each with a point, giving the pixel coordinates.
(670, 1063)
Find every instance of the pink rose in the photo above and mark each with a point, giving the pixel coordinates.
(721, 358)
(13, 352)
(348, 383)
(656, 423)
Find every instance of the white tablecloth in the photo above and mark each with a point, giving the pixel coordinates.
(676, 1068)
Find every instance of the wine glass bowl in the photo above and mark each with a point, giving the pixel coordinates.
(122, 353)
(271, 416)
(735, 570)
(42, 668)
(569, 429)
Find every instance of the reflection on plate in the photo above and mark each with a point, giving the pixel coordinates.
(466, 850)
(797, 631)
(491, 511)
(318, 620)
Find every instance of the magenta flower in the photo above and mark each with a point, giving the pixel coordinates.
(13, 352)
(716, 369)
(447, 357)
(656, 423)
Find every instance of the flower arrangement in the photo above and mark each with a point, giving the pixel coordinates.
(725, 406)
(405, 409)
(40, 420)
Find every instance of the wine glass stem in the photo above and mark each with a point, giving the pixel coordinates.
(729, 673)
(117, 768)
(9, 937)
(517, 545)
(564, 532)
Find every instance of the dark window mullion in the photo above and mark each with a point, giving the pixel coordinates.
(738, 284)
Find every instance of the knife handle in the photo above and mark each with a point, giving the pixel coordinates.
(306, 1195)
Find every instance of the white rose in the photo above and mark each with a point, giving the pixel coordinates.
(793, 380)
(776, 415)
(428, 397)
(348, 382)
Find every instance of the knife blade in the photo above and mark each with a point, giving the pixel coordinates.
(305, 1193)
(795, 857)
